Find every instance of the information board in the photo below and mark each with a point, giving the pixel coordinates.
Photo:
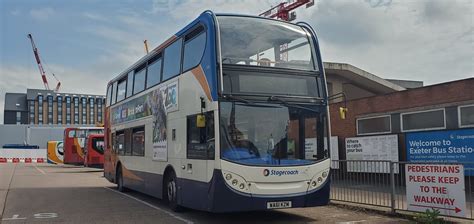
(310, 149)
(382, 147)
(454, 146)
(439, 187)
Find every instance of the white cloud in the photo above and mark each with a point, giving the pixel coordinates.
(16, 79)
(95, 17)
(15, 12)
(404, 40)
(42, 13)
(190, 9)
(424, 40)
(125, 41)
(162, 5)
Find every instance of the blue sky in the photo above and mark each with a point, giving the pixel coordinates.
(87, 42)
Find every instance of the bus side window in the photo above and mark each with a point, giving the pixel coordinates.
(127, 142)
(194, 46)
(120, 143)
(200, 141)
(138, 141)
(112, 143)
(172, 60)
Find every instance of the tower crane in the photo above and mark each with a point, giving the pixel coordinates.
(40, 66)
(283, 11)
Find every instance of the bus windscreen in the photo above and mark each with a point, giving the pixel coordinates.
(266, 43)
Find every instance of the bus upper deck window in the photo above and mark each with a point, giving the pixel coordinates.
(172, 60)
(194, 46)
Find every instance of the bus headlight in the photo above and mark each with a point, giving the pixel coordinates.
(325, 174)
(318, 179)
(235, 181)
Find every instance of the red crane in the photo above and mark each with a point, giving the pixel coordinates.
(284, 10)
(40, 66)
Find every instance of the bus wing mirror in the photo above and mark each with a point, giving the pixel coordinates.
(342, 112)
(200, 121)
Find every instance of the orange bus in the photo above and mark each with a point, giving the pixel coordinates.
(94, 151)
(74, 143)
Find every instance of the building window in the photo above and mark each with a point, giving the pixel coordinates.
(84, 110)
(466, 116)
(40, 109)
(374, 125)
(423, 120)
(50, 109)
(172, 60)
(59, 114)
(91, 110)
(76, 110)
(32, 111)
(99, 110)
(68, 110)
(18, 117)
(138, 141)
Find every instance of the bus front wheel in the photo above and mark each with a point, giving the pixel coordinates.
(119, 179)
(171, 192)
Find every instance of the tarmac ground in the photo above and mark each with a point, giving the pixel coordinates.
(44, 193)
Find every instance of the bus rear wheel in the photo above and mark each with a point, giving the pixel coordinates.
(171, 192)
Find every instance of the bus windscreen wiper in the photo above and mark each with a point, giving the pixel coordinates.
(278, 99)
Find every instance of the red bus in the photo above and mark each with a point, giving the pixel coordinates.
(74, 143)
(94, 151)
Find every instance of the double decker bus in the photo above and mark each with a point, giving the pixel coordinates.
(74, 143)
(94, 151)
(229, 114)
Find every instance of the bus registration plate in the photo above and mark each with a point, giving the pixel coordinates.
(278, 204)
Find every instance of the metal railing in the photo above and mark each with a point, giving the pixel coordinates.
(382, 183)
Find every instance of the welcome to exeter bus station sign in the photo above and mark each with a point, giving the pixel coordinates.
(439, 187)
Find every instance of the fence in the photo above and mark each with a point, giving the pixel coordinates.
(383, 183)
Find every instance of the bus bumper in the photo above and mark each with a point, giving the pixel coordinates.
(225, 199)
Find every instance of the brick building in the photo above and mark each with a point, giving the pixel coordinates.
(445, 106)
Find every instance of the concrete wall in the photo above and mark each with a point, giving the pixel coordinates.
(32, 135)
(41, 135)
(12, 134)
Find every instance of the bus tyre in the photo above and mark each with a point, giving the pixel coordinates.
(171, 192)
(120, 186)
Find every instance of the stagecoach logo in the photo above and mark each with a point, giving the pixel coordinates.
(267, 172)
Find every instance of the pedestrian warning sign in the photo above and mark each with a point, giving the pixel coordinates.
(439, 187)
